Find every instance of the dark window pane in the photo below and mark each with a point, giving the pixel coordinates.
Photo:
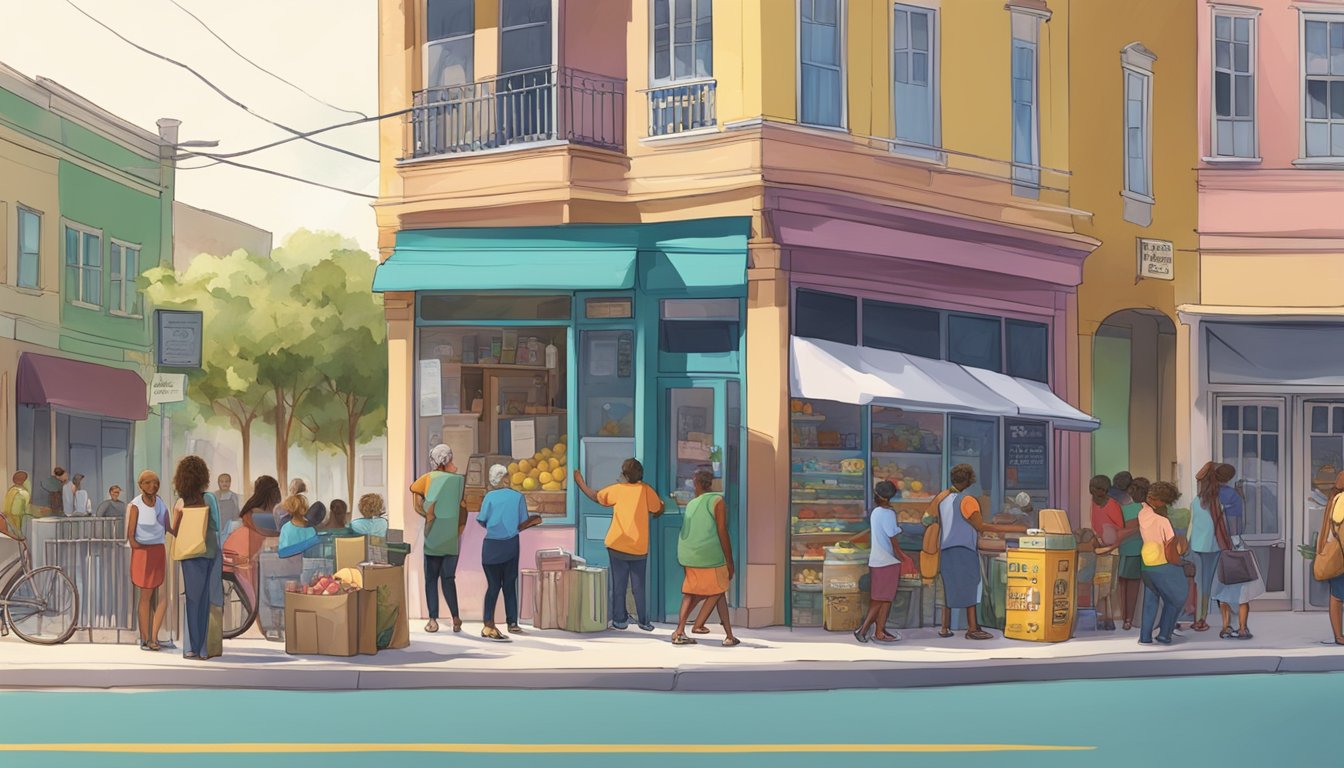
(975, 341)
(826, 316)
(687, 336)
(1339, 421)
(1222, 94)
(1028, 350)
(1316, 99)
(1249, 449)
(898, 328)
(525, 49)
(1231, 417)
(477, 307)
(1269, 419)
(449, 18)
(1249, 418)
(516, 12)
(1269, 448)
(1320, 419)
(1230, 443)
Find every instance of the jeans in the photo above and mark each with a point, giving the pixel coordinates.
(1206, 563)
(196, 585)
(625, 574)
(441, 569)
(1165, 583)
(501, 576)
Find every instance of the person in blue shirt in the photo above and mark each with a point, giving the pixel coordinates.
(298, 535)
(371, 521)
(503, 515)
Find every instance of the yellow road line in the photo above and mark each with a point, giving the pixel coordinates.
(531, 749)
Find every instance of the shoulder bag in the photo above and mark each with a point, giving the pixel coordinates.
(931, 552)
(1237, 566)
(1329, 560)
(191, 532)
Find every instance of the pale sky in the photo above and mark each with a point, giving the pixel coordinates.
(327, 47)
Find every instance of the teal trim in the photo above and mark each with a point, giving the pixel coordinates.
(431, 268)
(678, 273)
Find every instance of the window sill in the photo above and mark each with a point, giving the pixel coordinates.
(824, 128)
(125, 315)
(28, 291)
(1138, 198)
(1231, 160)
(671, 138)
(86, 305)
(1320, 162)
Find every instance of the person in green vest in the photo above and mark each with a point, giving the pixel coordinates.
(706, 552)
(436, 494)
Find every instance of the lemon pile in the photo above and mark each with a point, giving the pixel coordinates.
(547, 470)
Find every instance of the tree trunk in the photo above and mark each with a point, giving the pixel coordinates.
(281, 442)
(351, 435)
(246, 432)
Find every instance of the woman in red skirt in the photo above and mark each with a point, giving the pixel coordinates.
(146, 521)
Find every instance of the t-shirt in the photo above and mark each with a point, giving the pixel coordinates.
(295, 539)
(369, 526)
(150, 521)
(443, 495)
(112, 508)
(229, 506)
(1156, 531)
(16, 507)
(1108, 515)
(882, 523)
(1134, 544)
(1201, 528)
(1230, 500)
(502, 511)
(631, 504)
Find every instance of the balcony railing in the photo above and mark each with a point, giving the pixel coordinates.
(554, 104)
(682, 107)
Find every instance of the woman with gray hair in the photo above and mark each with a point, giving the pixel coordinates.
(438, 493)
(503, 515)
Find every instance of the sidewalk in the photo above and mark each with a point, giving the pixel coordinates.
(768, 660)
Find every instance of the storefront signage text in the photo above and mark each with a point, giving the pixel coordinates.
(1157, 260)
(1026, 455)
(179, 338)
(168, 388)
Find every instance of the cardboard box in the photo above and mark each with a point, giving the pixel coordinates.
(1055, 521)
(394, 577)
(368, 621)
(351, 551)
(587, 607)
(551, 600)
(322, 625)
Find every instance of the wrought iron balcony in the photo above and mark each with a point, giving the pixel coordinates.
(555, 104)
(682, 107)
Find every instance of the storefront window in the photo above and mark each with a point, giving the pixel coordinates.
(900, 328)
(1028, 349)
(497, 395)
(606, 402)
(826, 316)
(907, 449)
(689, 326)
(975, 340)
(975, 441)
(691, 442)
(469, 307)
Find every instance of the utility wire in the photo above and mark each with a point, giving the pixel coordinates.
(239, 54)
(306, 134)
(258, 169)
(214, 87)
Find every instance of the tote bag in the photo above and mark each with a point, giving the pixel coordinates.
(1329, 560)
(190, 541)
(931, 552)
(1237, 566)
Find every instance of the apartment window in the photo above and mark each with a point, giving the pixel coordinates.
(826, 316)
(1026, 120)
(1234, 86)
(1028, 349)
(900, 328)
(821, 92)
(1324, 53)
(915, 74)
(123, 271)
(524, 35)
(450, 42)
(683, 39)
(30, 247)
(975, 340)
(1138, 148)
(84, 265)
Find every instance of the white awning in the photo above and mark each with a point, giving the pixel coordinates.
(823, 370)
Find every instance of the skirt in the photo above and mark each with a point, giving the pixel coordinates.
(1236, 594)
(1337, 587)
(149, 563)
(960, 569)
(705, 582)
(1131, 567)
(885, 580)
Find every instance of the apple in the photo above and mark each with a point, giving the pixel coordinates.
(333, 589)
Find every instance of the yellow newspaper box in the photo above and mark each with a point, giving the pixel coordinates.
(1041, 600)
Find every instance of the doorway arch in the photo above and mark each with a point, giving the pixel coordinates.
(1134, 395)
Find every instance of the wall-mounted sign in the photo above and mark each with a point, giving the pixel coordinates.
(1157, 260)
(168, 388)
(178, 338)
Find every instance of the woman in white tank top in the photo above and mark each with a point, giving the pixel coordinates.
(146, 517)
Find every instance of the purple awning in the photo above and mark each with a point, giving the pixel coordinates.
(81, 386)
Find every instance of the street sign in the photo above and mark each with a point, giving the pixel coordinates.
(168, 388)
(178, 338)
(1157, 260)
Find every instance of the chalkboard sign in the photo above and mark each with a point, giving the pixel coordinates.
(1026, 455)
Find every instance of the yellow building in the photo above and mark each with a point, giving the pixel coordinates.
(1134, 147)
(805, 244)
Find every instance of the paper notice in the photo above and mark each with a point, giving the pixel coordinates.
(523, 438)
(431, 388)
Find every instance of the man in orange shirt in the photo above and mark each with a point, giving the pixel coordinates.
(632, 503)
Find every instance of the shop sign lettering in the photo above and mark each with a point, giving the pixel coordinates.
(1157, 260)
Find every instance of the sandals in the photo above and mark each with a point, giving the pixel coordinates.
(860, 634)
(684, 640)
(887, 638)
(457, 625)
(1200, 626)
(493, 633)
(1244, 634)
(700, 630)
(944, 633)
(1129, 625)
(729, 642)
(514, 629)
(979, 634)
(1227, 633)
(432, 626)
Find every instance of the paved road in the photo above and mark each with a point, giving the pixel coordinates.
(1121, 723)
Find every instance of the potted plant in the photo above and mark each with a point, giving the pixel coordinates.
(716, 461)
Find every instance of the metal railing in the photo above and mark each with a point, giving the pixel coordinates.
(682, 107)
(93, 553)
(554, 104)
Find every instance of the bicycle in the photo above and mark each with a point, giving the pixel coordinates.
(41, 605)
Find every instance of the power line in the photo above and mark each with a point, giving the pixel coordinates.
(258, 169)
(306, 134)
(214, 87)
(239, 54)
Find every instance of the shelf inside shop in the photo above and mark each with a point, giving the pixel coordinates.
(852, 452)
(908, 453)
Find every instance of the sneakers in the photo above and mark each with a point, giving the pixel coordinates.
(646, 627)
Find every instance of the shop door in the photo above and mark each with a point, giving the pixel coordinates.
(1250, 437)
(692, 433)
(1323, 428)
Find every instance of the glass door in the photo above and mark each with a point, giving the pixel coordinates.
(1250, 438)
(692, 427)
(974, 440)
(1323, 423)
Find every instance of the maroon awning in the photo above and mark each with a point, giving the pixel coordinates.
(80, 386)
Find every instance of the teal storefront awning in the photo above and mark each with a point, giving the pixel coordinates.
(707, 253)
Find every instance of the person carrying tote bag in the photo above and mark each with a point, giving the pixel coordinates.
(195, 528)
(1237, 580)
(1328, 565)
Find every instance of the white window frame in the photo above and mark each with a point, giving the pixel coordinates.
(935, 83)
(426, 44)
(1137, 61)
(127, 288)
(654, 80)
(841, 20)
(1327, 16)
(553, 23)
(1026, 176)
(19, 210)
(1234, 13)
(79, 266)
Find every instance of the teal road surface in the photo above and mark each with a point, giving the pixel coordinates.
(1251, 720)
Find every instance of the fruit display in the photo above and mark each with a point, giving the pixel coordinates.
(904, 438)
(913, 482)
(322, 584)
(813, 465)
(547, 470)
(825, 526)
(808, 578)
(844, 510)
(800, 407)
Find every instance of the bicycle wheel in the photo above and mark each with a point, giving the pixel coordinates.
(239, 612)
(41, 606)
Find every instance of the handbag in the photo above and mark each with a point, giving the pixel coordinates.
(931, 552)
(190, 540)
(1237, 566)
(1329, 560)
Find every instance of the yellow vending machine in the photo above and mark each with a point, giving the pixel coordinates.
(1041, 578)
